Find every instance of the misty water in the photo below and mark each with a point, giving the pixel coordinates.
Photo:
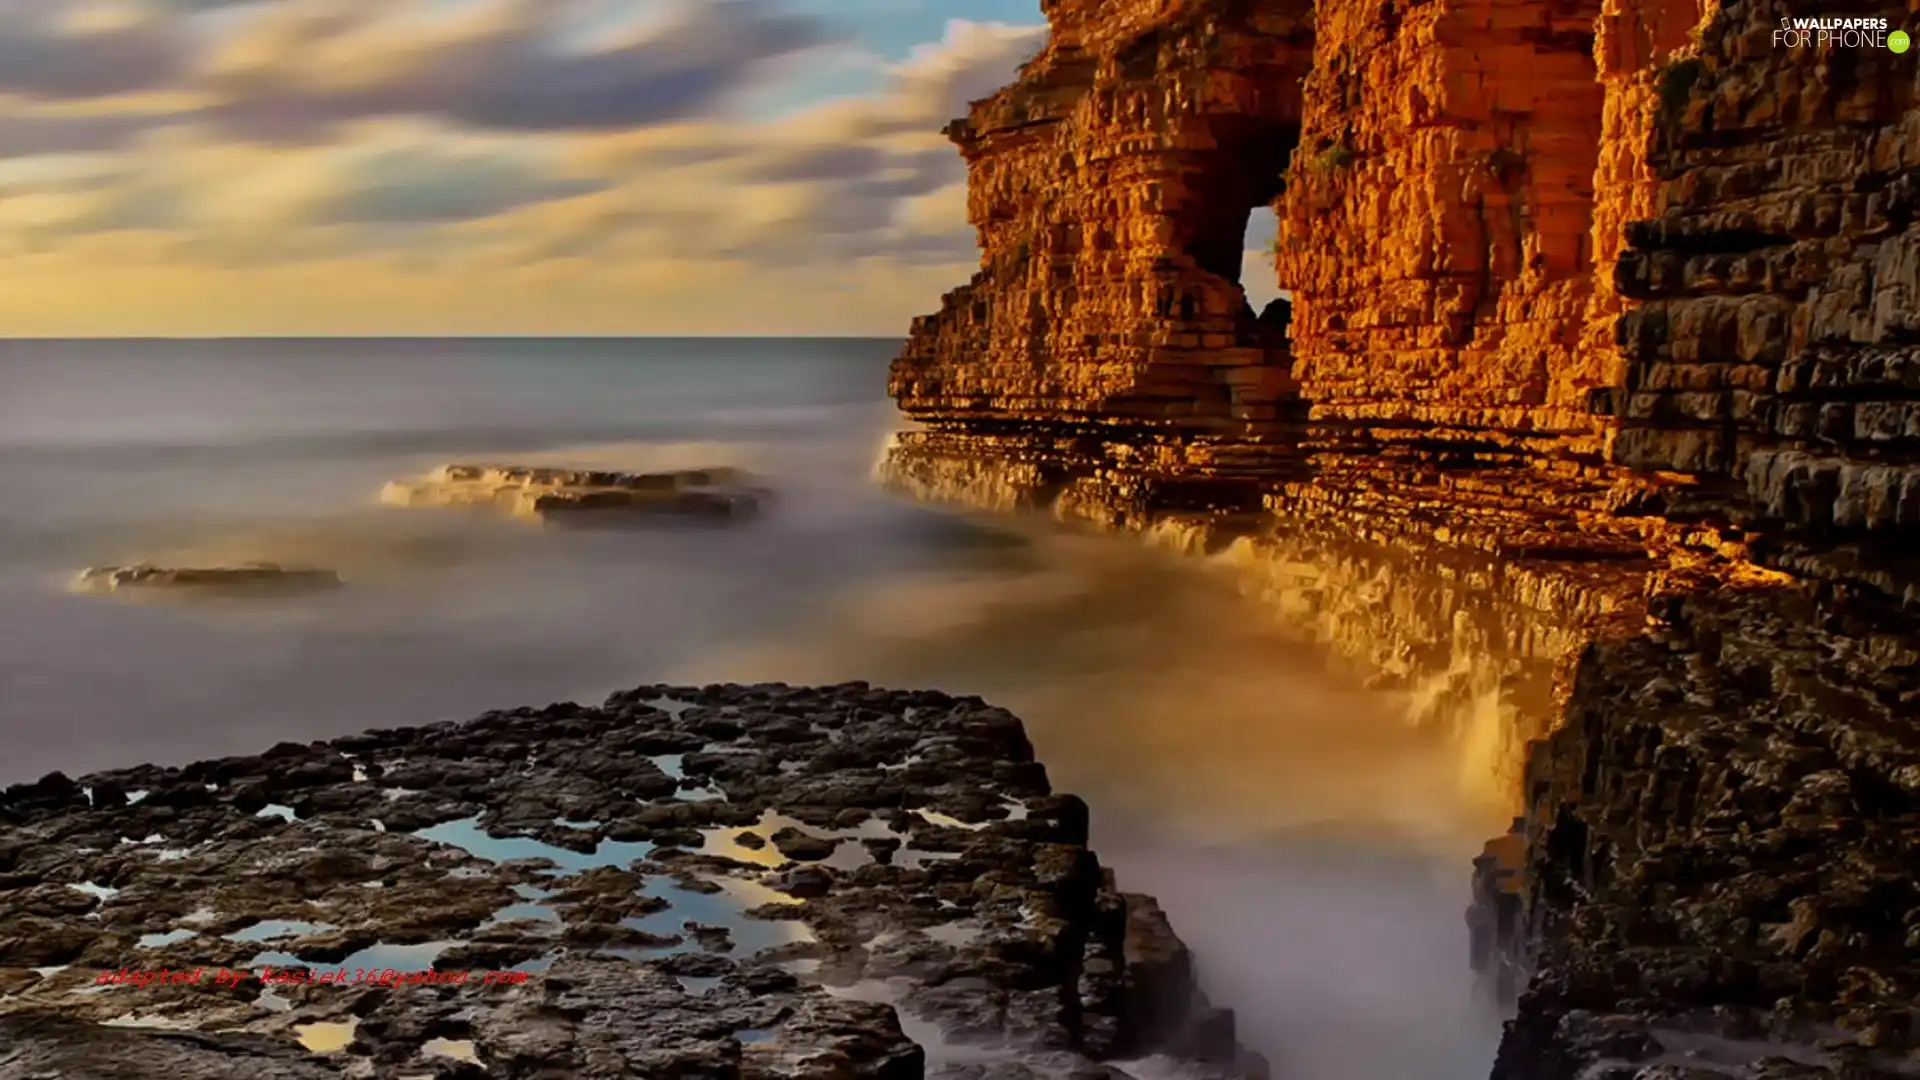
(1309, 844)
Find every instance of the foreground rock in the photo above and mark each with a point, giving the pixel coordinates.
(745, 881)
(247, 578)
(584, 496)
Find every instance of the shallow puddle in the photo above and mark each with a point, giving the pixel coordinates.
(467, 835)
(376, 957)
(136, 1020)
(955, 934)
(850, 855)
(274, 929)
(727, 908)
(699, 985)
(327, 1037)
(457, 1049)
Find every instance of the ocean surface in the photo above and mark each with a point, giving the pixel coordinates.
(1306, 841)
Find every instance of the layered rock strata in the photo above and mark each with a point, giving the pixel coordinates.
(729, 881)
(583, 496)
(1598, 311)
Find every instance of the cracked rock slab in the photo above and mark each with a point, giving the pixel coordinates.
(723, 881)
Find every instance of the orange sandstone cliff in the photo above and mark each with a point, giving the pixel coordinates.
(1596, 407)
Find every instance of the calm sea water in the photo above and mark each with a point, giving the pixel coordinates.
(1309, 845)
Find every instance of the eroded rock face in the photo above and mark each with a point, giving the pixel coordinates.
(584, 496)
(1111, 187)
(1599, 309)
(1772, 350)
(729, 881)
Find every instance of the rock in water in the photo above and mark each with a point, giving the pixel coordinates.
(613, 862)
(246, 579)
(586, 496)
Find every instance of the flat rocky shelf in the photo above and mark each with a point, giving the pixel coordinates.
(584, 496)
(247, 578)
(729, 881)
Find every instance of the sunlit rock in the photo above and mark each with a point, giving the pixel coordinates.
(584, 496)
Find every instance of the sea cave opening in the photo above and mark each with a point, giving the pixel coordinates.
(1257, 278)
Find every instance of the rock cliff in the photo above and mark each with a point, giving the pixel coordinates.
(1595, 411)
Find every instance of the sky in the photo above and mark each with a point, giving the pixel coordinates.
(364, 167)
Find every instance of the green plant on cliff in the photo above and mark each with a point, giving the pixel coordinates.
(1675, 88)
(1505, 165)
(1337, 156)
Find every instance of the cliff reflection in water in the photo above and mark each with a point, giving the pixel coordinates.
(1306, 840)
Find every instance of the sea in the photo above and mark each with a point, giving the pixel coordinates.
(1309, 843)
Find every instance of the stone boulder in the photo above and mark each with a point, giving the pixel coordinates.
(245, 578)
(585, 496)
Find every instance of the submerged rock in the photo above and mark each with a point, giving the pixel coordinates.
(253, 578)
(585, 496)
(611, 868)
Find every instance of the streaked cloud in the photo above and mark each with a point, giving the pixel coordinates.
(592, 165)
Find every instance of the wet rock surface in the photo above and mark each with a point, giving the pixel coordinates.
(729, 881)
(585, 497)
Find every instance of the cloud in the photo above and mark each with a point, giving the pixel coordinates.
(442, 140)
(868, 178)
(282, 69)
(970, 61)
(87, 48)
(500, 65)
(382, 174)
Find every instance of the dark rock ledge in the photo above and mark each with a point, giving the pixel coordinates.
(1718, 874)
(729, 881)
